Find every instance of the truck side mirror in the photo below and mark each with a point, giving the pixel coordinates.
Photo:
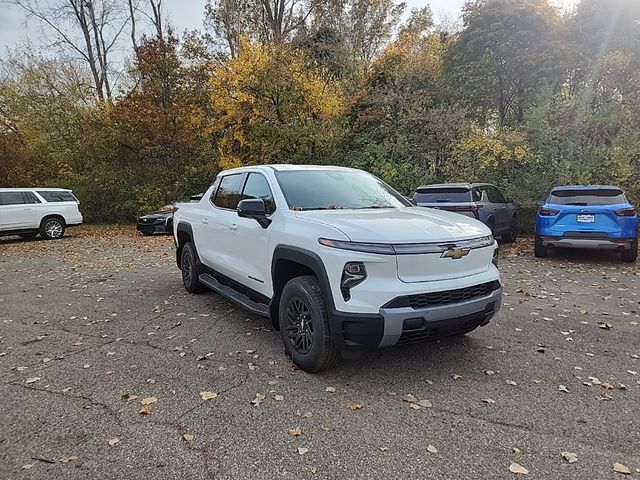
(254, 208)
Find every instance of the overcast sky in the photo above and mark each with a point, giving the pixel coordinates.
(182, 14)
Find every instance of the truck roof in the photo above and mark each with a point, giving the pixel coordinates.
(584, 187)
(287, 167)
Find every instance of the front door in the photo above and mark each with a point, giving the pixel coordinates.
(251, 242)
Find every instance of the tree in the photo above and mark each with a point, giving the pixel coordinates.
(100, 23)
(507, 53)
(274, 106)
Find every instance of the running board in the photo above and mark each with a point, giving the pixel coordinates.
(233, 295)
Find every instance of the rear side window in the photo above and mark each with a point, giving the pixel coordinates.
(11, 198)
(56, 196)
(443, 195)
(596, 196)
(228, 193)
(30, 197)
(257, 187)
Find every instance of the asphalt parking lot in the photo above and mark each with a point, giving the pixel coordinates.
(105, 361)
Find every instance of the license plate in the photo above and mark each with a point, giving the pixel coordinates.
(586, 218)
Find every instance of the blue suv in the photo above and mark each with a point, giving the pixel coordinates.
(587, 216)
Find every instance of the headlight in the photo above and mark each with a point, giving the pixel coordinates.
(353, 273)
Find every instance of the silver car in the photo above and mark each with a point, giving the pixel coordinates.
(482, 201)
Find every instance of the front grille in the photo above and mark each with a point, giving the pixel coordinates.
(434, 299)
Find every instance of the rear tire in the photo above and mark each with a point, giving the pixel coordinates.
(189, 268)
(52, 228)
(28, 236)
(304, 325)
(512, 234)
(540, 251)
(630, 255)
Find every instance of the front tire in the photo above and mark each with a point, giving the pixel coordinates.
(630, 255)
(189, 268)
(52, 228)
(540, 251)
(304, 325)
(512, 234)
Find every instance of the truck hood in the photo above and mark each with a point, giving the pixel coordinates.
(399, 225)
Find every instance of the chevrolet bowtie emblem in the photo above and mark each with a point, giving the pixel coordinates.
(455, 253)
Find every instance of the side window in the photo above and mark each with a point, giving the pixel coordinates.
(476, 195)
(215, 184)
(258, 187)
(11, 198)
(228, 193)
(495, 196)
(57, 196)
(30, 197)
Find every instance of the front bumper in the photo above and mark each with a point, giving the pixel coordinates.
(151, 228)
(357, 333)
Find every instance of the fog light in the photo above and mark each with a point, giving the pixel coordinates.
(353, 274)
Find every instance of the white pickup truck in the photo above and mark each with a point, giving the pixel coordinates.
(338, 260)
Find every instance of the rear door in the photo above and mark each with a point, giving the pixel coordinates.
(13, 213)
(215, 241)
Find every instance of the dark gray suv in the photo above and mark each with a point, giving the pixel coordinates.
(482, 201)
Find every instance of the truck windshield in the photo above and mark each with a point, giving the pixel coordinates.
(336, 189)
(443, 195)
(596, 196)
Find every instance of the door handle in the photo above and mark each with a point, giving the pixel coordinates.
(233, 226)
(205, 221)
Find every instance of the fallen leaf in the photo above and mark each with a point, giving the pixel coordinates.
(354, 406)
(302, 450)
(488, 372)
(188, 437)
(604, 325)
(516, 450)
(114, 441)
(562, 388)
(68, 459)
(620, 468)
(383, 449)
(330, 389)
(32, 380)
(410, 398)
(208, 395)
(148, 400)
(432, 449)
(279, 398)
(128, 397)
(517, 468)
(511, 382)
(27, 466)
(258, 400)
(146, 410)
(295, 431)
(455, 376)
(490, 401)
(569, 457)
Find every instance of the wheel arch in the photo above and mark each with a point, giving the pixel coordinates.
(290, 262)
(184, 234)
(53, 215)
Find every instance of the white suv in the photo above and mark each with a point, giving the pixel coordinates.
(338, 260)
(31, 211)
